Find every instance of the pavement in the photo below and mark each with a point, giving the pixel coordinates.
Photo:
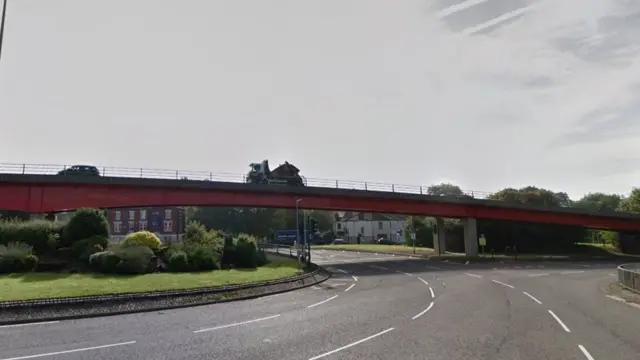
(375, 306)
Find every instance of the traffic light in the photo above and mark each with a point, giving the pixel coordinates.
(313, 226)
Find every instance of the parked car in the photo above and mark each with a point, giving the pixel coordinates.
(87, 170)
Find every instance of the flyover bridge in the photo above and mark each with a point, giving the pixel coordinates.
(37, 189)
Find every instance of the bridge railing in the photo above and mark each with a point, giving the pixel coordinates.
(48, 169)
(629, 276)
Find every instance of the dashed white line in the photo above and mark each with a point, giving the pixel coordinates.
(503, 284)
(433, 296)
(322, 302)
(342, 271)
(378, 267)
(355, 278)
(433, 267)
(236, 324)
(532, 298)
(559, 321)
(474, 275)
(584, 265)
(423, 311)
(571, 272)
(534, 275)
(29, 324)
(349, 288)
(585, 352)
(352, 344)
(70, 351)
(423, 280)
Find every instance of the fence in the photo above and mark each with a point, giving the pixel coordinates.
(46, 169)
(629, 276)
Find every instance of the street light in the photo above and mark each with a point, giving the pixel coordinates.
(298, 229)
(4, 16)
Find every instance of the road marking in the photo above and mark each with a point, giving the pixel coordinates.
(467, 262)
(323, 301)
(623, 301)
(342, 271)
(29, 324)
(533, 275)
(237, 324)
(70, 351)
(350, 345)
(474, 275)
(532, 298)
(433, 267)
(587, 266)
(559, 321)
(571, 272)
(501, 283)
(612, 274)
(423, 311)
(585, 352)
(355, 278)
(349, 288)
(402, 272)
(423, 280)
(378, 267)
(433, 296)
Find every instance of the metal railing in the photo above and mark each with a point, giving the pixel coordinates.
(629, 276)
(47, 169)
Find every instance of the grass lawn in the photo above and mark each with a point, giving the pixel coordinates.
(400, 249)
(53, 285)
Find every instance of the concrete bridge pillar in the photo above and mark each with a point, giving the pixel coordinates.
(470, 237)
(439, 237)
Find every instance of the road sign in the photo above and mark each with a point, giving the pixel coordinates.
(482, 240)
(413, 236)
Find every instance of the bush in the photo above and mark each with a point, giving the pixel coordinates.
(38, 234)
(202, 257)
(142, 238)
(196, 233)
(129, 260)
(178, 261)
(84, 224)
(245, 252)
(17, 257)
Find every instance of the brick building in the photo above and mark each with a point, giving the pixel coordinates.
(166, 222)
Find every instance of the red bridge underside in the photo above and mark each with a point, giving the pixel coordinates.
(37, 198)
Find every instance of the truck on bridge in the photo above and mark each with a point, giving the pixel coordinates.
(285, 174)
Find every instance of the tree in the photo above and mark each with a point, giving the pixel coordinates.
(599, 202)
(423, 228)
(632, 202)
(445, 189)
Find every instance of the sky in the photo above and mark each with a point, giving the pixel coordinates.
(485, 94)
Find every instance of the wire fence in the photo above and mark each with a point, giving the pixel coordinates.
(629, 276)
(107, 171)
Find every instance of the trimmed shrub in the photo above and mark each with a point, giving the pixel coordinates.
(84, 224)
(129, 260)
(196, 233)
(17, 257)
(142, 238)
(178, 261)
(202, 257)
(246, 254)
(38, 234)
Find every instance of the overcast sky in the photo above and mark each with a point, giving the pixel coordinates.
(485, 94)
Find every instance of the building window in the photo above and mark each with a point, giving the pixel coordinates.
(362, 230)
(143, 214)
(143, 225)
(132, 214)
(339, 226)
(132, 226)
(118, 216)
(168, 225)
(167, 214)
(379, 225)
(116, 226)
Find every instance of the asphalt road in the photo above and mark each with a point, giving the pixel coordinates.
(374, 307)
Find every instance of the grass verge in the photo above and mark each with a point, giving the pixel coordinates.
(54, 285)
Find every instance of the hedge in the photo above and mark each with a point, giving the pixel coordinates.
(39, 234)
(17, 257)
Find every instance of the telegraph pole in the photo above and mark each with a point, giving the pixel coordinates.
(4, 16)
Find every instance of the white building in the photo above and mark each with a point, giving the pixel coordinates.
(370, 226)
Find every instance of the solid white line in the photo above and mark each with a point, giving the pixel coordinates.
(236, 324)
(423, 280)
(70, 351)
(474, 275)
(532, 275)
(532, 298)
(501, 283)
(423, 311)
(585, 352)
(350, 345)
(623, 301)
(322, 302)
(355, 278)
(571, 272)
(349, 288)
(458, 7)
(378, 267)
(29, 324)
(559, 321)
(433, 296)
(408, 274)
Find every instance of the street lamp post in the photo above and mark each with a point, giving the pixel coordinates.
(298, 229)
(4, 16)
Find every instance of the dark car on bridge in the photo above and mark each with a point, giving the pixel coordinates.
(86, 170)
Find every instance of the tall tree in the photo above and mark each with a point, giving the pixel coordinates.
(599, 202)
(445, 189)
